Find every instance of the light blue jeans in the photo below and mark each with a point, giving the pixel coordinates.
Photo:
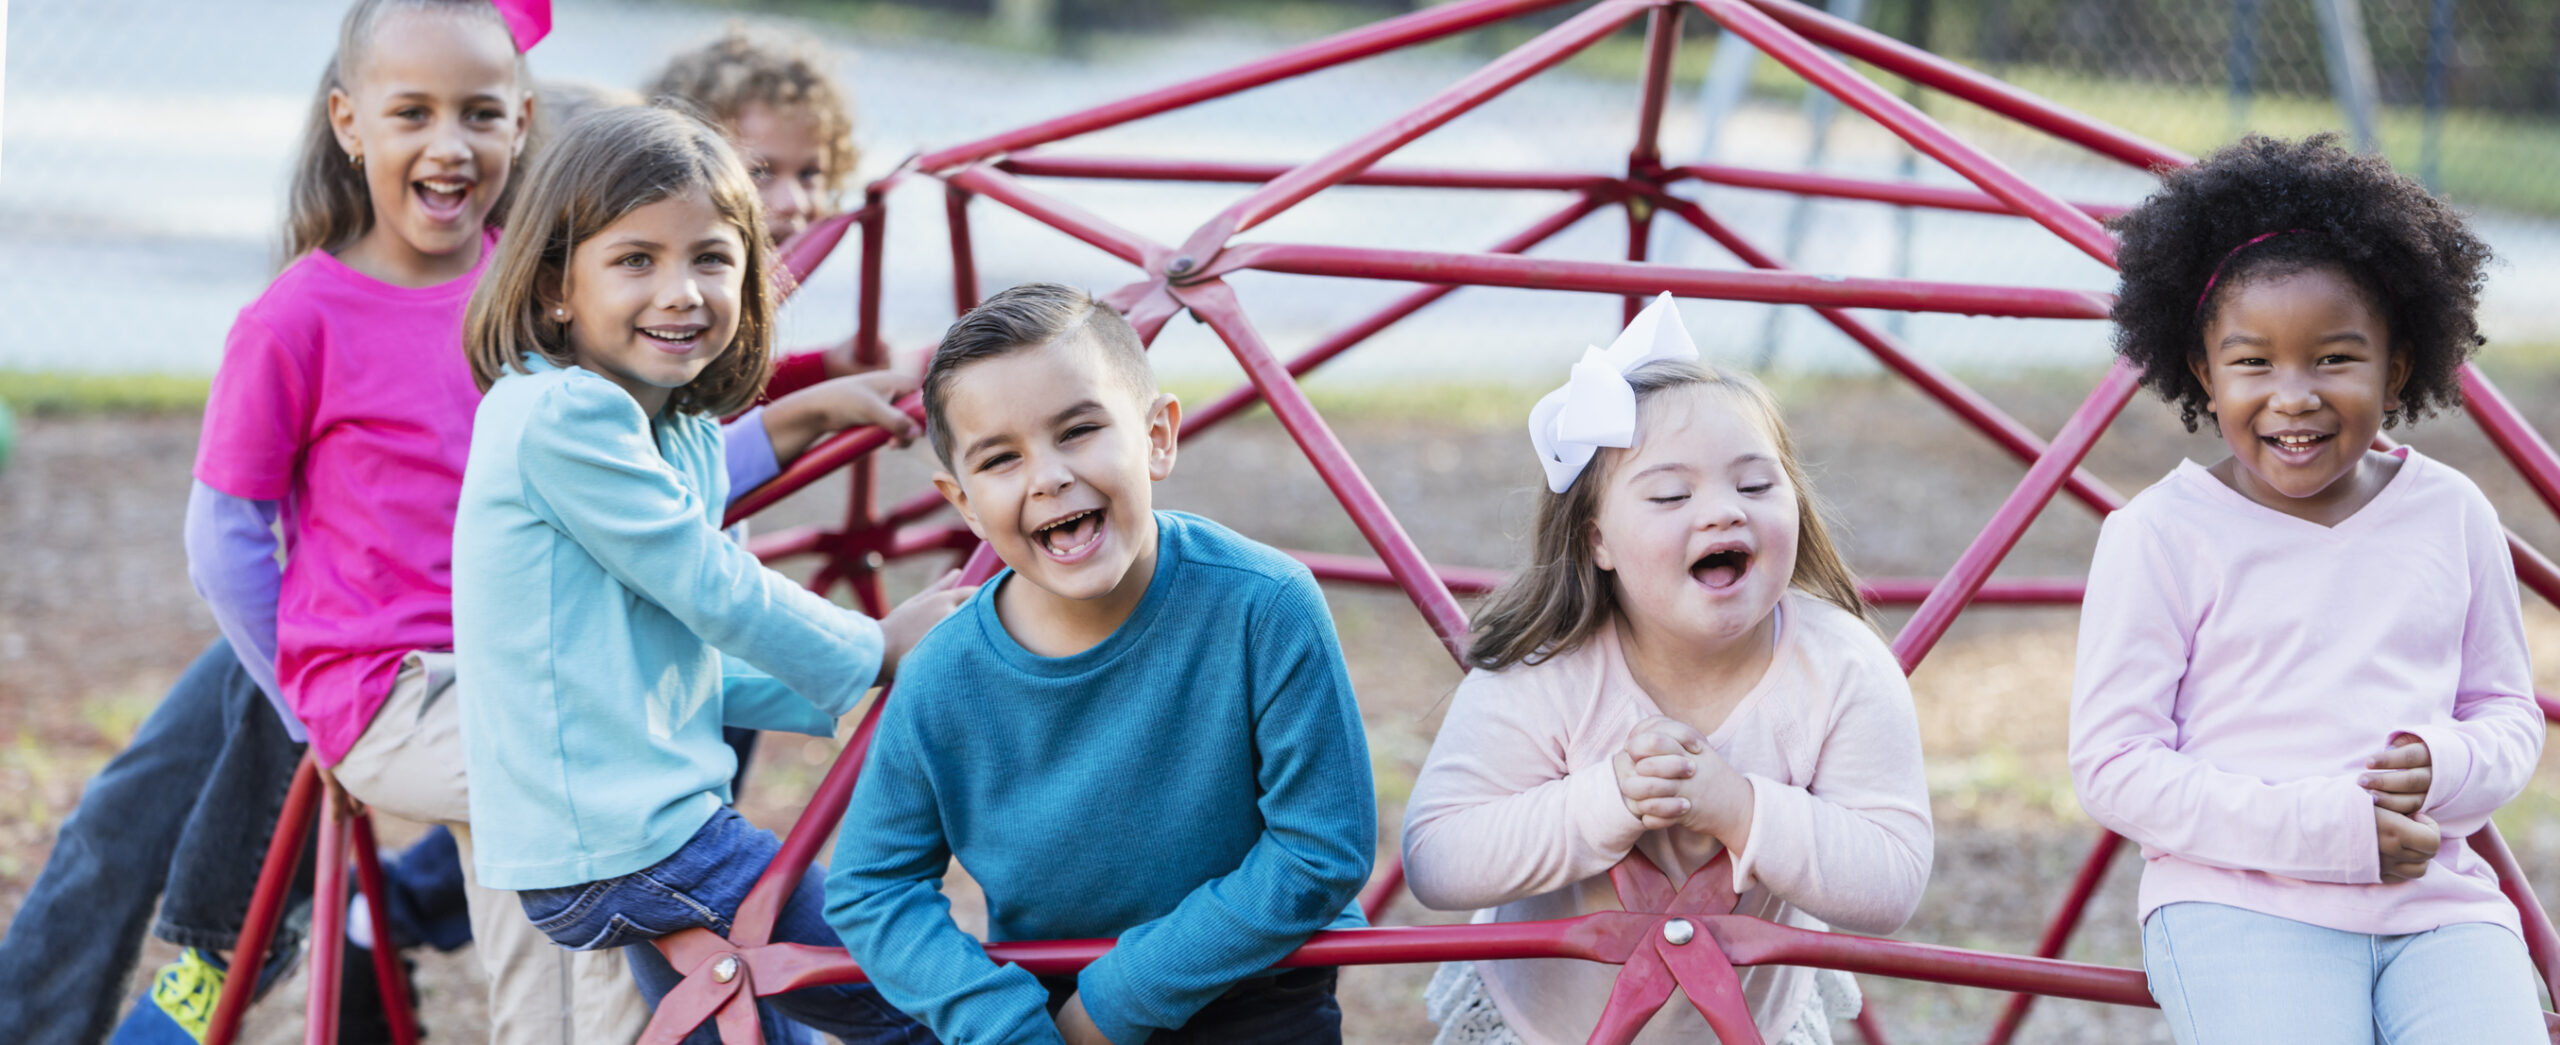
(2222, 974)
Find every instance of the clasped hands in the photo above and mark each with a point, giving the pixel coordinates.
(1669, 777)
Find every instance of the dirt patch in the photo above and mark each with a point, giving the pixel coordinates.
(96, 618)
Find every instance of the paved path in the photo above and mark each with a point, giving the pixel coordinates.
(147, 142)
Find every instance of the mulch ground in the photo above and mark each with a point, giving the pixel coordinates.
(96, 618)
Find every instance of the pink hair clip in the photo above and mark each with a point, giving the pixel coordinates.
(2218, 266)
(527, 20)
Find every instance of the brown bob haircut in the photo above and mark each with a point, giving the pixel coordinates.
(602, 166)
(1023, 318)
(1563, 598)
(329, 206)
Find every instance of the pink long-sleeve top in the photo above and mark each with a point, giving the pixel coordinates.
(2238, 665)
(1517, 812)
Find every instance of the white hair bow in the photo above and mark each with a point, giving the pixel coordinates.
(1596, 407)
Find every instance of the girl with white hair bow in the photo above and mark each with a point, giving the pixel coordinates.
(1685, 669)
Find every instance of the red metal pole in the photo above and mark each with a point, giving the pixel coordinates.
(1285, 191)
(964, 262)
(1913, 126)
(1973, 568)
(1929, 70)
(1661, 43)
(1065, 217)
(1882, 591)
(815, 463)
(2540, 940)
(756, 914)
(1840, 187)
(867, 347)
(1618, 277)
(2057, 933)
(1419, 27)
(328, 921)
(1215, 303)
(1246, 395)
(2513, 435)
(397, 1006)
(1375, 899)
(266, 902)
(1963, 401)
(809, 248)
(1133, 168)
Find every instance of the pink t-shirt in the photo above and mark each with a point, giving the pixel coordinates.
(2237, 666)
(349, 400)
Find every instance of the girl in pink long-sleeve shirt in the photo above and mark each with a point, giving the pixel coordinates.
(1686, 669)
(2302, 680)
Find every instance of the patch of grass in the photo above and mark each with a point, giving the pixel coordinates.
(46, 393)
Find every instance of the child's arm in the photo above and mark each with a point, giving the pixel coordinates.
(590, 467)
(1496, 815)
(760, 441)
(1320, 831)
(884, 899)
(2134, 628)
(231, 559)
(2482, 759)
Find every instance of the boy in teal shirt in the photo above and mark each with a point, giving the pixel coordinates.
(1142, 729)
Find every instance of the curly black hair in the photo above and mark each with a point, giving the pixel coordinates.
(2410, 254)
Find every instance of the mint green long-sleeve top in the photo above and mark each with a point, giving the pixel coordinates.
(605, 629)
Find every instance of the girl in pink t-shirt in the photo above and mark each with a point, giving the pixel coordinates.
(1685, 670)
(342, 412)
(2301, 679)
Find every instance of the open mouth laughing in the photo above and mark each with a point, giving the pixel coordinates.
(443, 197)
(1070, 538)
(1722, 567)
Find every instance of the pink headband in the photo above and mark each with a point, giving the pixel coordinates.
(527, 20)
(2216, 277)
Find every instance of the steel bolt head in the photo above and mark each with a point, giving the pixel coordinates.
(1679, 931)
(726, 969)
(1181, 265)
(874, 561)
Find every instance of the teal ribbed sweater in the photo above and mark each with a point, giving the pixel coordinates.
(1196, 785)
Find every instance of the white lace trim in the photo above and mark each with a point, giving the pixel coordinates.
(1457, 1002)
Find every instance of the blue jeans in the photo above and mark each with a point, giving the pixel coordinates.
(2223, 974)
(701, 886)
(188, 808)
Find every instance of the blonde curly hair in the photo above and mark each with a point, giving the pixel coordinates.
(745, 67)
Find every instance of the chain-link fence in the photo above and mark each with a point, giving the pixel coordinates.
(147, 143)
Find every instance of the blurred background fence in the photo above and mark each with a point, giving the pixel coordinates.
(144, 146)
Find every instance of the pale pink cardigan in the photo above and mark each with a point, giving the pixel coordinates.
(1517, 812)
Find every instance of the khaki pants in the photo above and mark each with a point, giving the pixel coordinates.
(409, 763)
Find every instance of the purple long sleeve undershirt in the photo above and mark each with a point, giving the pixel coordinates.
(231, 555)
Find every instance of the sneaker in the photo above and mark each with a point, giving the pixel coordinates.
(179, 1009)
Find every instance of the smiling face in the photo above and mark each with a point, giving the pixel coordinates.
(653, 298)
(2299, 371)
(436, 115)
(786, 152)
(1052, 455)
(1697, 524)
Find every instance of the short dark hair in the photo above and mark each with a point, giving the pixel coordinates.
(2269, 207)
(1020, 319)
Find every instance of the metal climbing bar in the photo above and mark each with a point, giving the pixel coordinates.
(1911, 125)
